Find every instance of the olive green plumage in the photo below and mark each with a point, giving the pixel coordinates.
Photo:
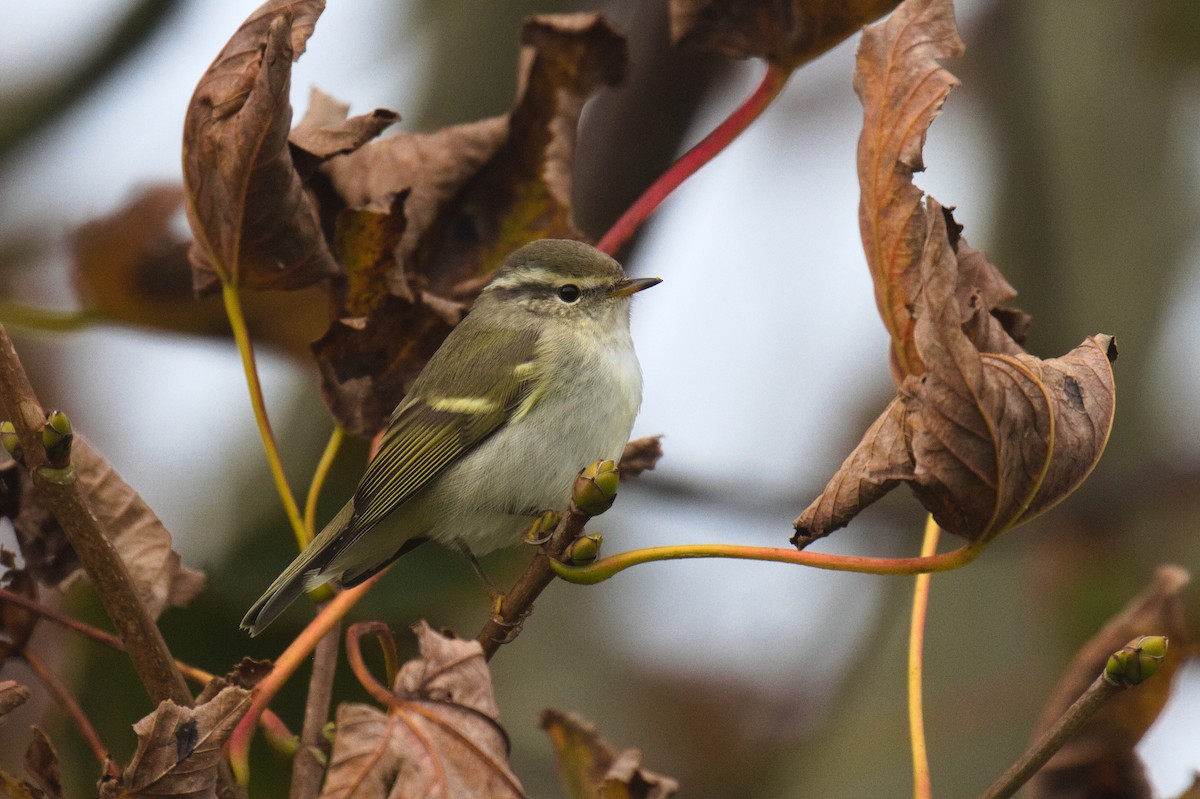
(539, 380)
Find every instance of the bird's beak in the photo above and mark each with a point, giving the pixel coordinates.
(628, 287)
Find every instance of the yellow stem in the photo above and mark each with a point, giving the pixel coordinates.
(922, 787)
(237, 322)
(604, 568)
(319, 474)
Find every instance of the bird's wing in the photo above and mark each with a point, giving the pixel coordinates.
(446, 416)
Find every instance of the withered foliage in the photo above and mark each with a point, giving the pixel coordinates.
(439, 736)
(179, 749)
(399, 232)
(140, 539)
(985, 434)
(590, 766)
(1100, 760)
(784, 32)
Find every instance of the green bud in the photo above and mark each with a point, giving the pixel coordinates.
(1137, 661)
(539, 532)
(12, 443)
(596, 487)
(57, 436)
(583, 550)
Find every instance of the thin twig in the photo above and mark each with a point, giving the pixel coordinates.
(66, 699)
(285, 666)
(691, 161)
(65, 498)
(306, 768)
(922, 786)
(518, 602)
(193, 673)
(1064, 727)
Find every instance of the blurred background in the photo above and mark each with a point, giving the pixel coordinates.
(1071, 154)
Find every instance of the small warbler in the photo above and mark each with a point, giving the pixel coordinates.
(539, 380)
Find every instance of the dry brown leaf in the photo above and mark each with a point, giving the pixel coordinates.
(985, 440)
(254, 222)
(140, 539)
(784, 32)
(441, 738)
(1102, 752)
(179, 749)
(132, 266)
(902, 87)
(470, 194)
(12, 696)
(327, 129)
(590, 767)
(41, 763)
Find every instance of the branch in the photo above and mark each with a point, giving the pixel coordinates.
(504, 625)
(1131, 665)
(307, 770)
(65, 498)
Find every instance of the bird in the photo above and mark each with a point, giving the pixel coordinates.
(538, 380)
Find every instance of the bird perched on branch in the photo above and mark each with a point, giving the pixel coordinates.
(539, 380)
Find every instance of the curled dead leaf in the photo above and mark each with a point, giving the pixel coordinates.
(459, 200)
(985, 440)
(590, 766)
(902, 87)
(1102, 752)
(140, 539)
(179, 749)
(440, 737)
(327, 129)
(783, 32)
(254, 222)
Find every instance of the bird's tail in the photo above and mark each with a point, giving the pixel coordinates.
(304, 574)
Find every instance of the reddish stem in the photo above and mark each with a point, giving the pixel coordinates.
(691, 161)
(67, 700)
(285, 665)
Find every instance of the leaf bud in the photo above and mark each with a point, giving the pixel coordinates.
(543, 526)
(596, 487)
(583, 550)
(1137, 661)
(11, 442)
(57, 436)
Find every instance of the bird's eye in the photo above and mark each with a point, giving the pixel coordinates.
(569, 293)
